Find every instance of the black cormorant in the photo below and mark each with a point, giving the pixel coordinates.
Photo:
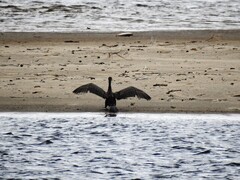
(109, 96)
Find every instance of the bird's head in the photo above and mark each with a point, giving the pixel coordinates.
(109, 78)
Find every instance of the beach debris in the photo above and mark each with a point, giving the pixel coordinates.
(219, 100)
(151, 73)
(141, 46)
(174, 90)
(238, 95)
(92, 78)
(38, 74)
(15, 97)
(142, 78)
(191, 99)
(32, 49)
(160, 85)
(56, 54)
(116, 53)
(110, 46)
(165, 51)
(181, 74)
(71, 41)
(62, 64)
(11, 84)
(193, 41)
(99, 63)
(74, 50)
(125, 34)
(166, 44)
(35, 92)
(124, 74)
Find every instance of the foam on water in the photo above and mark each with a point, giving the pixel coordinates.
(128, 146)
(118, 15)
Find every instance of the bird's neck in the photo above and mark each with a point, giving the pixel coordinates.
(109, 86)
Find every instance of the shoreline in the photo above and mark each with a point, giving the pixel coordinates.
(184, 71)
(129, 112)
(228, 34)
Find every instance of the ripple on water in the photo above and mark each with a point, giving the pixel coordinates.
(103, 15)
(128, 146)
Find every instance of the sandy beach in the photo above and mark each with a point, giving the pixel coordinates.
(183, 71)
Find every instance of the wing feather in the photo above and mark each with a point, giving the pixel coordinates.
(131, 92)
(92, 88)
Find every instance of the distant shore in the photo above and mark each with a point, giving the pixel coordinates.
(183, 71)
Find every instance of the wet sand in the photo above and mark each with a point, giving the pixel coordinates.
(183, 71)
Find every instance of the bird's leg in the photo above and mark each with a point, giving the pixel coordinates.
(106, 104)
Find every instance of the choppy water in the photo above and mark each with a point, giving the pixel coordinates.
(129, 146)
(118, 15)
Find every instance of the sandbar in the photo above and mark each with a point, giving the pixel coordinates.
(183, 71)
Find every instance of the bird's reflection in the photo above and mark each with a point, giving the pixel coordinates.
(109, 114)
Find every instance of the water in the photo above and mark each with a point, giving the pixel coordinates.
(118, 15)
(129, 146)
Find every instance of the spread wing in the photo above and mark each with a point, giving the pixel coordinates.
(92, 88)
(131, 92)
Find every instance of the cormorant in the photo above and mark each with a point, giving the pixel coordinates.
(109, 96)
